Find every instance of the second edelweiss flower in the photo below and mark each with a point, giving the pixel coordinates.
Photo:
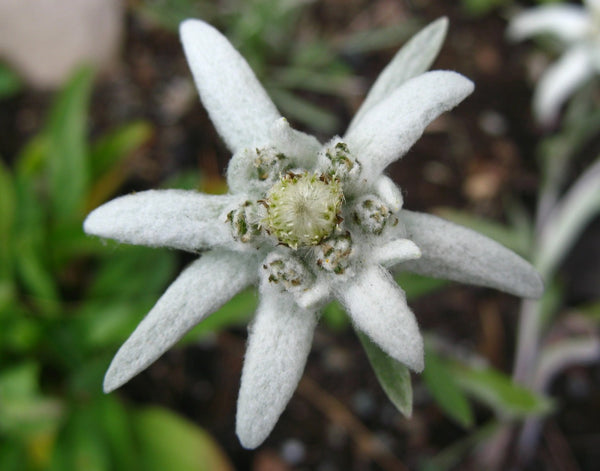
(577, 28)
(304, 221)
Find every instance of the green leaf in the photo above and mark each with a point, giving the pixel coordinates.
(32, 158)
(133, 272)
(304, 78)
(23, 410)
(108, 150)
(116, 423)
(13, 456)
(335, 316)
(68, 242)
(68, 153)
(8, 208)
(10, 83)
(107, 323)
(238, 311)
(64, 344)
(551, 302)
(442, 385)
(7, 294)
(81, 444)
(499, 392)
(109, 168)
(416, 286)
(370, 40)
(29, 416)
(592, 311)
(184, 180)
(168, 441)
(19, 381)
(35, 275)
(393, 376)
(85, 379)
(32, 266)
(20, 333)
(481, 7)
(170, 13)
(302, 110)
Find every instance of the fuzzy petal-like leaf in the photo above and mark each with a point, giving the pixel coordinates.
(237, 103)
(391, 195)
(300, 147)
(414, 58)
(377, 306)
(200, 289)
(179, 219)
(389, 129)
(396, 251)
(278, 344)
(456, 253)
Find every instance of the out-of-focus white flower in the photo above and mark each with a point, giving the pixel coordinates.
(307, 222)
(578, 29)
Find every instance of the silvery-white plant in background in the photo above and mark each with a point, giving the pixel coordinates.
(578, 30)
(307, 222)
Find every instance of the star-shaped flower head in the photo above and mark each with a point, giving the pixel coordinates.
(307, 222)
(577, 28)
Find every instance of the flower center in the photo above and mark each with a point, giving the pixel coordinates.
(303, 209)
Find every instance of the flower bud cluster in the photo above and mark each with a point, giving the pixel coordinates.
(269, 163)
(337, 161)
(244, 222)
(372, 215)
(334, 254)
(286, 270)
(303, 213)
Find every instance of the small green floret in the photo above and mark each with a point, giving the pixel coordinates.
(242, 229)
(303, 209)
(339, 162)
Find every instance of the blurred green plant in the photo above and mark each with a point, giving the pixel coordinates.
(10, 83)
(59, 326)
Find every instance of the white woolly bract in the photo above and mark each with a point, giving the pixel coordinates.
(385, 134)
(279, 341)
(201, 288)
(377, 306)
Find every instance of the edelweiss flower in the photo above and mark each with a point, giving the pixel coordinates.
(304, 221)
(578, 29)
